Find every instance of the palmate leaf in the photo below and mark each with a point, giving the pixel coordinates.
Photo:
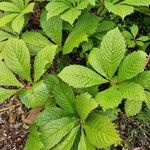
(52, 28)
(34, 142)
(7, 78)
(107, 59)
(85, 27)
(101, 132)
(53, 132)
(17, 58)
(68, 141)
(36, 96)
(84, 104)
(109, 98)
(64, 94)
(6, 93)
(80, 76)
(84, 143)
(43, 59)
(132, 65)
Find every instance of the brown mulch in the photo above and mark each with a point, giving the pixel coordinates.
(13, 131)
(134, 133)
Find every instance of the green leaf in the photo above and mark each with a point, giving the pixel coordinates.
(17, 58)
(6, 93)
(80, 76)
(8, 6)
(84, 143)
(4, 35)
(17, 23)
(84, 104)
(71, 15)
(132, 65)
(55, 8)
(134, 30)
(7, 18)
(43, 59)
(132, 91)
(63, 94)
(36, 45)
(110, 54)
(28, 9)
(137, 2)
(95, 61)
(68, 141)
(132, 107)
(143, 38)
(143, 79)
(36, 96)
(19, 3)
(148, 99)
(118, 9)
(52, 28)
(34, 142)
(101, 132)
(85, 27)
(54, 131)
(48, 115)
(7, 78)
(109, 98)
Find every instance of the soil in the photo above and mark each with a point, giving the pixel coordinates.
(13, 131)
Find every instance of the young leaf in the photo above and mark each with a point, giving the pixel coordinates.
(143, 79)
(68, 141)
(34, 97)
(101, 132)
(80, 76)
(84, 143)
(34, 142)
(64, 94)
(55, 8)
(43, 59)
(6, 93)
(53, 132)
(134, 30)
(17, 58)
(7, 78)
(84, 104)
(111, 52)
(85, 27)
(132, 65)
(52, 28)
(109, 98)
